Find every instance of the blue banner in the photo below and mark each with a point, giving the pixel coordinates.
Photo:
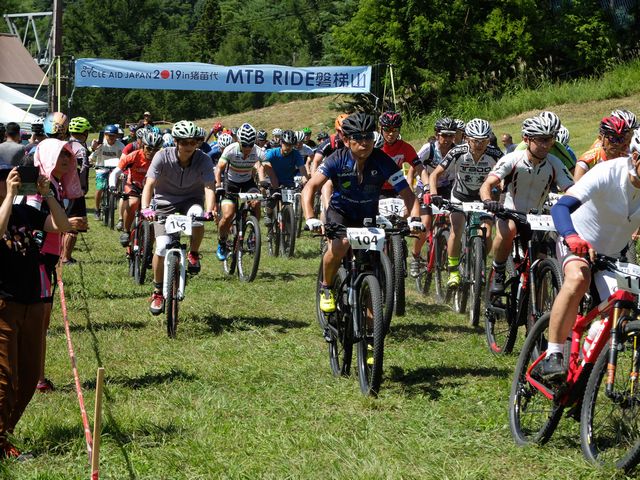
(96, 72)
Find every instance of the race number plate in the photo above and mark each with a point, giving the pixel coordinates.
(288, 195)
(628, 277)
(541, 223)
(391, 206)
(111, 163)
(250, 196)
(177, 224)
(439, 211)
(473, 207)
(366, 238)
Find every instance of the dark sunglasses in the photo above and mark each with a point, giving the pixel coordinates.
(360, 136)
(616, 139)
(245, 144)
(151, 149)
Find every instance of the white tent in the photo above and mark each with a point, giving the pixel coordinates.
(19, 99)
(11, 113)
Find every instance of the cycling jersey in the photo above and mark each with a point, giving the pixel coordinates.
(469, 175)
(137, 164)
(285, 167)
(527, 186)
(558, 150)
(130, 148)
(330, 145)
(106, 152)
(359, 199)
(82, 158)
(305, 151)
(592, 157)
(239, 168)
(400, 152)
(430, 157)
(175, 183)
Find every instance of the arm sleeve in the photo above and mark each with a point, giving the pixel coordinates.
(561, 214)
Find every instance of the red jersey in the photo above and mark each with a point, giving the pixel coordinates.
(137, 165)
(129, 148)
(400, 152)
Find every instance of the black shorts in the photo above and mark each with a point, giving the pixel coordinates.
(49, 261)
(232, 189)
(333, 216)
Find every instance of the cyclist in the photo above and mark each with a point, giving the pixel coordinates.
(204, 146)
(276, 133)
(137, 143)
(472, 161)
(240, 160)
(400, 151)
(110, 148)
(307, 138)
(136, 165)
(598, 214)
(177, 180)
(430, 156)
(557, 149)
(564, 138)
(528, 176)
(459, 138)
(357, 172)
(261, 139)
(282, 163)
(613, 142)
(305, 151)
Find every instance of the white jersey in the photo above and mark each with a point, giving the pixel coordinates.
(239, 167)
(469, 175)
(430, 157)
(610, 210)
(305, 151)
(106, 152)
(527, 186)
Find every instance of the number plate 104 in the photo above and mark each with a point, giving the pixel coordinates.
(366, 238)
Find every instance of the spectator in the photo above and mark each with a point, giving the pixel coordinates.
(146, 119)
(507, 142)
(21, 294)
(12, 151)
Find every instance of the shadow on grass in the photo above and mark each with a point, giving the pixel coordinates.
(422, 308)
(143, 381)
(430, 380)
(218, 324)
(309, 253)
(283, 276)
(97, 327)
(426, 331)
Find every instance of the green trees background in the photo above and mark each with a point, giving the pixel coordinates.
(442, 50)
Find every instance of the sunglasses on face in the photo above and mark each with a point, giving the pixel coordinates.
(360, 136)
(544, 140)
(151, 149)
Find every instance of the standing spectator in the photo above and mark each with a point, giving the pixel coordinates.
(507, 142)
(21, 292)
(146, 119)
(37, 135)
(12, 151)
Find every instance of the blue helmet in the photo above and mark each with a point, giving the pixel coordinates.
(111, 129)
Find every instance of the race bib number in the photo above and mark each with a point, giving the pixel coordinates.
(541, 223)
(250, 196)
(473, 207)
(628, 277)
(391, 206)
(288, 195)
(366, 238)
(111, 163)
(178, 224)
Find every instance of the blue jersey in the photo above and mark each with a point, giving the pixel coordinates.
(285, 168)
(360, 200)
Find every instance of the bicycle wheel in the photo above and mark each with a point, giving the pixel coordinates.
(369, 311)
(288, 232)
(299, 218)
(274, 236)
(398, 262)
(548, 283)
(610, 427)
(104, 207)
(113, 205)
(386, 281)
(532, 416)
(171, 302)
(229, 263)
(249, 250)
(341, 343)
(425, 275)
(501, 315)
(441, 264)
(142, 251)
(476, 286)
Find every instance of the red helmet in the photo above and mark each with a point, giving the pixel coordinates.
(613, 126)
(217, 127)
(391, 119)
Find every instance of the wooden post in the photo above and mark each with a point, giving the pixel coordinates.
(97, 425)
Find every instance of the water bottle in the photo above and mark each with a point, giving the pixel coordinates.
(594, 330)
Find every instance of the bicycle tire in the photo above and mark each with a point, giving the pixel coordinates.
(113, 202)
(609, 429)
(386, 281)
(104, 207)
(425, 276)
(548, 283)
(319, 314)
(288, 232)
(476, 286)
(341, 346)
(143, 241)
(369, 298)
(249, 250)
(273, 235)
(230, 262)
(441, 264)
(526, 401)
(299, 218)
(171, 302)
(398, 262)
(501, 327)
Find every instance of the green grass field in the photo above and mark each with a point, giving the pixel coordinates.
(245, 391)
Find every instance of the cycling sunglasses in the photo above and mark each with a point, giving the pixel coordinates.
(358, 137)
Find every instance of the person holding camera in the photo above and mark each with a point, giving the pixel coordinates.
(21, 292)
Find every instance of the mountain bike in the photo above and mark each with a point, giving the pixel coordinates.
(175, 265)
(140, 249)
(601, 387)
(244, 240)
(358, 318)
(530, 287)
(109, 199)
(436, 264)
(297, 205)
(281, 235)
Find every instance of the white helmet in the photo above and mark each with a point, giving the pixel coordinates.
(184, 129)
(224, 140)
(378, 140)
(276, 132)
(553, 118)
(538, 127)
(563, 136)
(635, 142)
(247, 135)
(477, 128)
(299, 136)
(629, 118)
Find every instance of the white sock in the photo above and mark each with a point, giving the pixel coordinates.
(555, 348)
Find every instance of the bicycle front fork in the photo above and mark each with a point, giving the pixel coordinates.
(183, 272)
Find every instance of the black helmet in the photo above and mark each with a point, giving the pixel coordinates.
(358, 122)
(288, 136)
(446, 125)
(391, 119)
(262, 135)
